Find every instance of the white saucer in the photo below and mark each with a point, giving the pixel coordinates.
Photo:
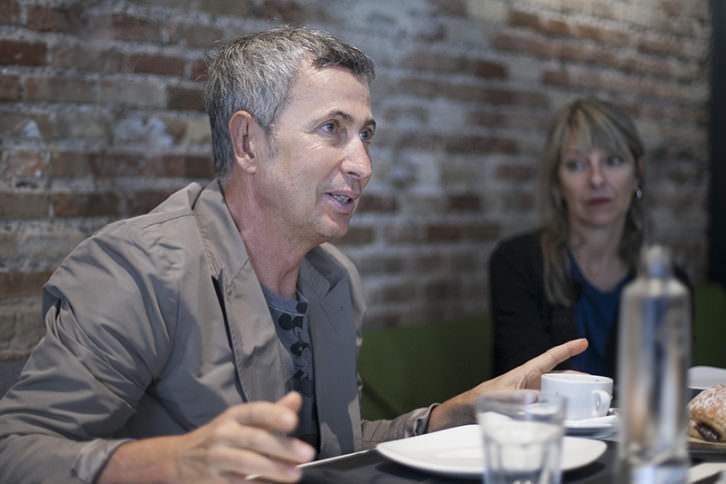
(458, 451)
(702, 377)
(592, 426)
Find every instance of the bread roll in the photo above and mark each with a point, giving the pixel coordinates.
(707, 412)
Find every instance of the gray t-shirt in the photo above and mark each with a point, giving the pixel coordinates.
(293, 329)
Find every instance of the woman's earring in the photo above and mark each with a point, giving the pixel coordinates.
(639, 193)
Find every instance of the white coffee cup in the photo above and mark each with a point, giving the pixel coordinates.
(587, 396)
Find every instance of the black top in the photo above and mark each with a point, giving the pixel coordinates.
(525, 324)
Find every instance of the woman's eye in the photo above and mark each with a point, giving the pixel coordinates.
(614, 160)
(574, 165)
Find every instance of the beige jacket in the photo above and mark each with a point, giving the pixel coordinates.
(156, 325)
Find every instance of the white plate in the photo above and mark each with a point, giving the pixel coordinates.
(702, 377)
(458, 451)
(591, 426)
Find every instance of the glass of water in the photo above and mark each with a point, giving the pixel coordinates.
(522, 431)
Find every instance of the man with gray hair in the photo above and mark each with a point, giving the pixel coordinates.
(216, 337)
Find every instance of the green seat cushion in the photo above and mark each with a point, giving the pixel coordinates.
(709, 325)
(409, 367)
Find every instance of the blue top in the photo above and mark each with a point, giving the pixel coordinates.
(595, 314)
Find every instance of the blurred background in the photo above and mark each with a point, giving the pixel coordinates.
(101, 117)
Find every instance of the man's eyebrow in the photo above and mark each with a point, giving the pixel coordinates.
(338, 113)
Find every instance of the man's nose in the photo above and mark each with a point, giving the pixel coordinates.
(358, 163)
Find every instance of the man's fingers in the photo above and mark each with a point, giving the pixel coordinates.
(276, 445)
(254, 464)
(557, 354)
(292, 400)
(267, 415)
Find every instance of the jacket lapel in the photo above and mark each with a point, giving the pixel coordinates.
(334, 355)
(255, 345)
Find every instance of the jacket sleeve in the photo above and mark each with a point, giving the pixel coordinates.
(106, 335)
(517, 301)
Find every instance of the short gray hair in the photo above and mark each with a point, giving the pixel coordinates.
(255, 72)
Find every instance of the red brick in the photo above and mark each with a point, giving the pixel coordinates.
(60, 89)
(280, 11)
(21, 205)
(481, 231)
(69, 164)
(425, 61)
(86, 205)
(517, 18)
(377, 203)
(402, 233)
(601, 35)
(184, 99)
(138, 203)
(556, 78)
(240, 8)
(9, 88)
(24, 164)
(486, 118)
(514, 172)
(464, 203)
(121, 26)
(479, 145)
(81, 58)
(9, 12)
(518, 43)
(488, 70)
(71, 20)
(536, 23)
(195, 36)
(154, 64)
(116, 165)
(575, 52)
(416, 113)
(22, 53)
(660, 46)
(357, 236)
(454, 8)
(198, 167)
(556, 27)
(443, 233)
(469, 93)
(22, 284)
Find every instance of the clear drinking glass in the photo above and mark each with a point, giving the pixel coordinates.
(522, 431)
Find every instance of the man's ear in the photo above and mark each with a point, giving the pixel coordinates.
(243, 131)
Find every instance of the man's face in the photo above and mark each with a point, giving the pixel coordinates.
(316, 164)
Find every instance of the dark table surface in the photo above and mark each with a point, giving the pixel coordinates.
(372, 467)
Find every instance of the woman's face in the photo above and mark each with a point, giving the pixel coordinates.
(597, 186)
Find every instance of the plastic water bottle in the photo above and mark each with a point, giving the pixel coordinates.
(654, 353)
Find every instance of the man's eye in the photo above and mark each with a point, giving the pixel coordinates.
(330, 127)
(366, 135)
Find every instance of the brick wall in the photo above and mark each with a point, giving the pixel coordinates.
(101, 117)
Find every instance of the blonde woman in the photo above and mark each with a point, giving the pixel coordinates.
(564, 280)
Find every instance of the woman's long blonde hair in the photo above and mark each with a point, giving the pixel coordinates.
(589, 123)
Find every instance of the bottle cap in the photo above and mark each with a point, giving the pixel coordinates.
(655, 261)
